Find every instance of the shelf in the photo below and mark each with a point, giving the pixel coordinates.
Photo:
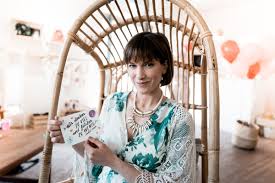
(54, 49)
(25, 30)
(267, 127)
(36, 45)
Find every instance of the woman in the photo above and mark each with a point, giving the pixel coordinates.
(146, 137)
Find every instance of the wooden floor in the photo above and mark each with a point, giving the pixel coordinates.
(240, 166)
(236, 165)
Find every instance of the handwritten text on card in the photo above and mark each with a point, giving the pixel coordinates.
(79, 126)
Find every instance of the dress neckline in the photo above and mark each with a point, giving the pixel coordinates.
(125, 120)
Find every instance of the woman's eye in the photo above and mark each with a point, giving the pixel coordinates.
(131, 65)
(149, 65)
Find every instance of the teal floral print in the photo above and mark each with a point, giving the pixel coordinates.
(160, 128)
(134, 143)
(96, 170)
(119, 99)
(147, 161)
(164, 152)
(110, 175)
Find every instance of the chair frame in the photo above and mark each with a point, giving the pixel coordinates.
(208, 71)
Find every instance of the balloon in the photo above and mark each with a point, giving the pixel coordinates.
(253, 70)
(230, 50)
(239, 68)
(268, 44)
(252, 53)
(268, 69)
(250, 61)
(190, 46)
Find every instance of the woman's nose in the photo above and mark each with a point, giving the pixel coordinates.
(140, 73)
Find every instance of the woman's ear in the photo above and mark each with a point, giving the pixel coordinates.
(165, 67)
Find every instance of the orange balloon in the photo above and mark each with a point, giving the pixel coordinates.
(190, 46)
(230, 50)
(253, 70)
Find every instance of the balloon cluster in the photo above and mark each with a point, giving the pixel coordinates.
(249, 61)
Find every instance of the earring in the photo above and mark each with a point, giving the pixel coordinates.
(161, 80)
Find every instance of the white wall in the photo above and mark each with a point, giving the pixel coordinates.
(26, 74)
(244, 21)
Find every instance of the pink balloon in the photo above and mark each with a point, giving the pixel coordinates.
(186, 46)
(230, 50)
(249, 55)
(268, 43)
(239, 69)
(268, 69)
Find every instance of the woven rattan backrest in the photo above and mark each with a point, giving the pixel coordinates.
(106, 31)
(103, 31)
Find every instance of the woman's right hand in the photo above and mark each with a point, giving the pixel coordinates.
(55, 131)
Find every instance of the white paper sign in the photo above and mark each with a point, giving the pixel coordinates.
(79, 126)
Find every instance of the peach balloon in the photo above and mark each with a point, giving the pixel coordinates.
(190, 46)
(253, 70)
(251, 53)
(230, 50)
(268, 69)
(239, 68)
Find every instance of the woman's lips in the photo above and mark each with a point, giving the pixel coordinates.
(141, 83)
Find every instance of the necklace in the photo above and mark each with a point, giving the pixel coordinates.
(146, 113)
(139, 128)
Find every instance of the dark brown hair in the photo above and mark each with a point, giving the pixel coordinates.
(147, 46)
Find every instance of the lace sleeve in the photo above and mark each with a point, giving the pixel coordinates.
(179, 166)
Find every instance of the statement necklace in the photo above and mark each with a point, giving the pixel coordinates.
(146, 113)
(140, 128)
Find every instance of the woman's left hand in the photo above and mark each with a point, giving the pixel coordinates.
(99, 153)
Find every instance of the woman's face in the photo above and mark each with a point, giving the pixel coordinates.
(146, 76)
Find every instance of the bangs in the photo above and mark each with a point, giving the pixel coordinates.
(142, 50)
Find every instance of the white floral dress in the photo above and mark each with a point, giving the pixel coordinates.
(163, 153)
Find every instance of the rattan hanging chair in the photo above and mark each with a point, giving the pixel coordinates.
(103, 30)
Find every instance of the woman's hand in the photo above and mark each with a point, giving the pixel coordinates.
(55, 131)
(99, 153)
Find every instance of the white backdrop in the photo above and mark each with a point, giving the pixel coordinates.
(242, 20)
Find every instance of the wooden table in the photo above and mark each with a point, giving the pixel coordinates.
(18, 146)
